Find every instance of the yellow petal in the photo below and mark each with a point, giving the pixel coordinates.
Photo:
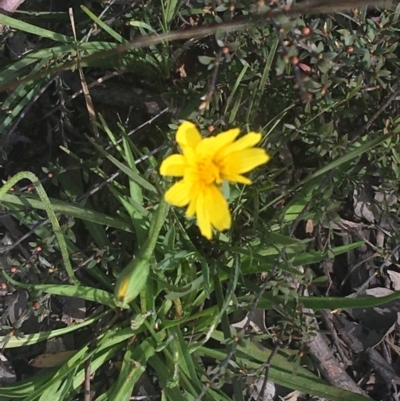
(245, 142)
(217, 209)
(225, 139)
(188, 136)
(240, 179)
(243, 161)
(210, 147)
(193, 195)
(173, 165)
(191, 210)
(206, 148)
(178, 194)
(203, 218)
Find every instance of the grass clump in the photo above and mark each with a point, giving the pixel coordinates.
(92, 101)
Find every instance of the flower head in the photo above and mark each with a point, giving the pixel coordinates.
(203, 165)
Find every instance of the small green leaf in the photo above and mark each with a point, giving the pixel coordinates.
(206, 60)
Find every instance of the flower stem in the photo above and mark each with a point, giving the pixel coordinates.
(155, 226)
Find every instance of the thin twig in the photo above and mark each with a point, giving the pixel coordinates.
(266, 374)
(216, 375)
(85, 89)
(91, 30)
(217, 62)
(285, 49)
(8, 248)
(325, 317)
(113, 176)
(86, 390)
(376, 114)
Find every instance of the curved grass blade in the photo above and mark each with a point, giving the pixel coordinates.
(78, 291)
(31, 339)
(281, 371)
(70, 210)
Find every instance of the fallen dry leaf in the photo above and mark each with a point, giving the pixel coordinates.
(51, 360)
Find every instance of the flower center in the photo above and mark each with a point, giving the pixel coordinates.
(209, 171)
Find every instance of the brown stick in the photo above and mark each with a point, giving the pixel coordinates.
(329, 366)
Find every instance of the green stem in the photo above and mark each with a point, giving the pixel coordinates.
(155, 226)
(50, 213)
(133, 278)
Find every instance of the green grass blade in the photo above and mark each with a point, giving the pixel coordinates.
(281, 372)
(35, 30)
(31, 339)
(331, 303)
(78, 291)
(235, 88)
(129, 172)
(133, 366)
(104, 26)
(69, 210)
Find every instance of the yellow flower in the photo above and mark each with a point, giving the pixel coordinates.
(203, 165)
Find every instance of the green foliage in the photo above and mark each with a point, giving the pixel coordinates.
(311, 85)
